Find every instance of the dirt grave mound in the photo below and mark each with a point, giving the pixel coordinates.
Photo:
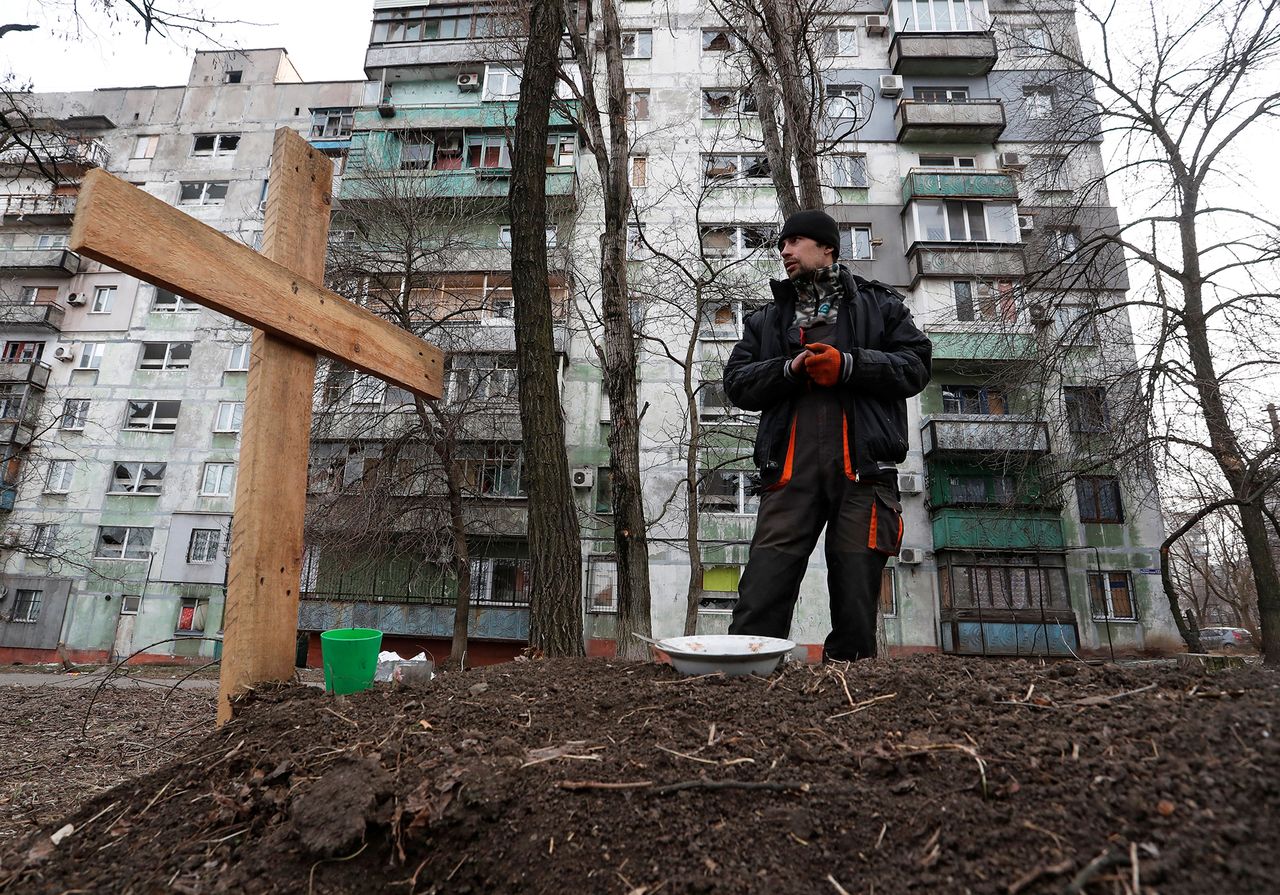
(929, 774)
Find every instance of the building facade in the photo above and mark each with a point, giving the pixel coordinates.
(938, 163)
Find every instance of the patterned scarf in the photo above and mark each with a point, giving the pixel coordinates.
(822, 292)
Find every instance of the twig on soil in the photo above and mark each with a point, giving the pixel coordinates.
(311, 877)
(342, 716)
(954, 747)
(88, 712)
(863, 706)
(685, 755)
(841, 890)
(186, 677)
(456, 868)
(1057, 840)
(1104, 861)
(1036, 873)
(600, 784)
(1105, 700)
(884, 828)
(689, 680)
(703, 783)
(154, 798)
(643, 708)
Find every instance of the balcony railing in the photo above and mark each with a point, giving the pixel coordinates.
(1002, 529)
(37, 206)
(977, 350)
(984, 435)
(16, 316)
(362, 184)
(34, 372)
(56, 149)
(40, 262)
(966, 260)
(957, 183)
(974, 121)
(947, 53)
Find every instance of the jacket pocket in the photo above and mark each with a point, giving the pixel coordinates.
(885, 534)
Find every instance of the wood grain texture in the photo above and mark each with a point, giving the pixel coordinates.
(260, 621)
(120, 225)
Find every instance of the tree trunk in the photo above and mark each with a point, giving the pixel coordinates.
(630, 536)
(692, 451)
(785, 32)
(784, 186)
(461, 565)
(555, 551)
(1265, 579)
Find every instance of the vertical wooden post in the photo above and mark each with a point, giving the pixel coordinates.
(260, 621)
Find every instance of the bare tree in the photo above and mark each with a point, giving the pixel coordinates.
(603, 128)
(783, 52)
(1183, 92)
(556, 610)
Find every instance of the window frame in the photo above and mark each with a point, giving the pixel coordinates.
(91, 356)
(127, 541)
(503, 73)
(850, 167)
(1080, 403)
(1089, 490)
(852, 230)
(738, 249)
(638, 100)
(31, 611)
(746, 504)
(210, 546)
(218, 149)
(963, 393)
(743, 164)
(65, 476)
(82, 408)
(136, 476)
(181, 304)
(1102, 584)
(346, 122)
(224, 474)
(104, 299)
(1001, 298)
(641, 48)
(243, 352)
(234, 424)
(204, 198)
(147, 143)
(152, 417)
(167, 363)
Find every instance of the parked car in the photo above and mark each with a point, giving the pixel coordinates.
(1228, 640)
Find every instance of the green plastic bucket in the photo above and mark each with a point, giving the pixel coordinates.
(350, 657)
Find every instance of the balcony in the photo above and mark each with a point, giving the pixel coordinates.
(954, 54)
(321, 612)
(35, 373)
(975, 121)
(1004, 529)
(29, 207)
(977, 351)
(16, 432)
(966, 260)
(468, 183)
(954, 183)
(56, 262)
(59, 150)
(984, 435)
(15, 316)
(8, 497)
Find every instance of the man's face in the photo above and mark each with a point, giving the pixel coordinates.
(802, 256)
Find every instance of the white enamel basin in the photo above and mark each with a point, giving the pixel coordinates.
(729, 654)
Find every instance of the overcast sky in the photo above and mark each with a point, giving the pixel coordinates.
(326, 42)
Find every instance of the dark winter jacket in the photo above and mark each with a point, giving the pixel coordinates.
(889, 360)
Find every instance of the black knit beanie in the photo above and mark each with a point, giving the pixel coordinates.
(817, 225)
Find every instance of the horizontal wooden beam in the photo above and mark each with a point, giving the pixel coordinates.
(122, 226)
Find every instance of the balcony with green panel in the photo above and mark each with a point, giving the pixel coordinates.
(976, 351)
(958, 183)
(1005, 528)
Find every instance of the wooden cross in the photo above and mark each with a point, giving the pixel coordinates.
(277, 292)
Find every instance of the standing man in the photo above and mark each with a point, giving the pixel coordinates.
(830, 364)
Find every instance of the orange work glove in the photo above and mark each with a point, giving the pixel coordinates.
(823, 366)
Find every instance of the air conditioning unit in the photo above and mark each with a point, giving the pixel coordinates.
(910, 556)
(65, 353)
(1012, 160)
(387, 109)
(75, 299)
(909, 482)
(891, 85)
(582, 477)
(469, 82)
(1039, 314)
(1026, 222)
(493, 173)
(877, 24)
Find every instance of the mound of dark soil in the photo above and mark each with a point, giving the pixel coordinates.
(928, 774)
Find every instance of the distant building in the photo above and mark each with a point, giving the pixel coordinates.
(939, 193)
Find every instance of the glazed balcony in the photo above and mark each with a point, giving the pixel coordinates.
(975, 121)
(68, 153)
(953, 54)
(55, 262)
(984, 435)
(979, 351)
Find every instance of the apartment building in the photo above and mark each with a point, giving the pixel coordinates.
(947, 186)
(122, 402)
